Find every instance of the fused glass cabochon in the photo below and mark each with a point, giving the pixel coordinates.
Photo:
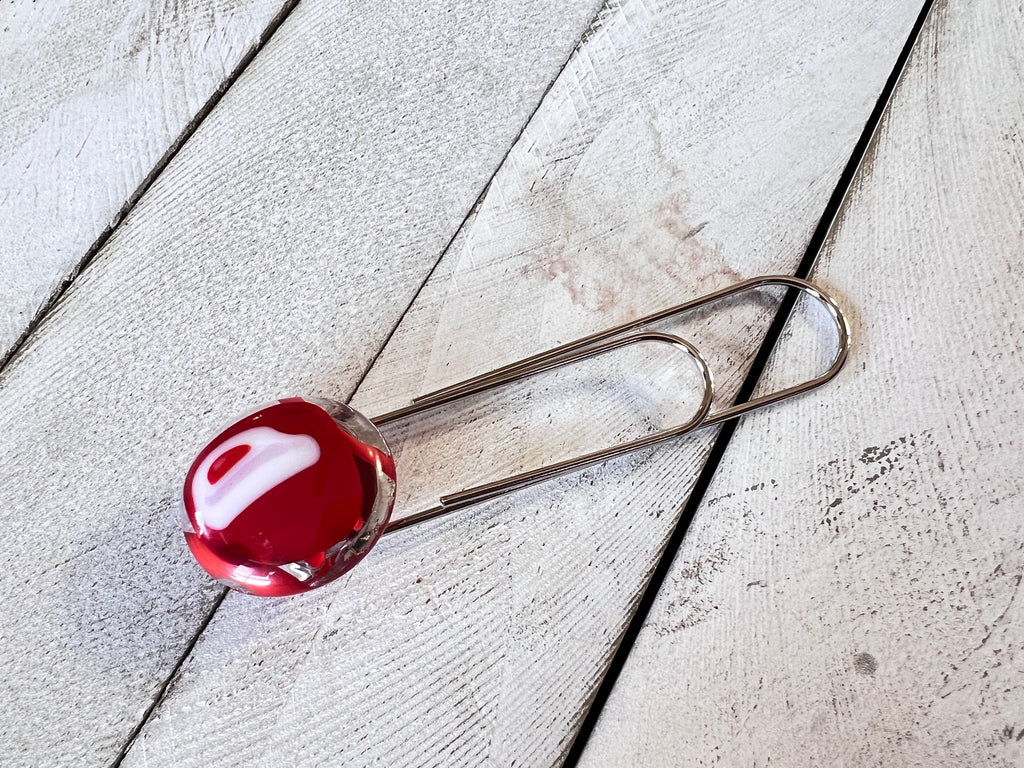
(289, 497)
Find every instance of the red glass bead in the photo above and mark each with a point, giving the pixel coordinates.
(289, 497)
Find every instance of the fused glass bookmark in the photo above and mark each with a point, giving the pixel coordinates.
(296, 493)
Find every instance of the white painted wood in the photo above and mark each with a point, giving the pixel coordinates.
(682, 148)
(850, 593)
(273, 255)
(93, 94)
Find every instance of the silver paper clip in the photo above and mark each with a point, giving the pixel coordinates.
(597, 344)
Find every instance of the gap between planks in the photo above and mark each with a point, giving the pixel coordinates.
(662, 565)
(593, 24)
(190, 128)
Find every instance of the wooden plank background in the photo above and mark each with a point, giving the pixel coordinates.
(365, 215)
(93, 95)
(673, 155)
(850, 593)
(279, 247)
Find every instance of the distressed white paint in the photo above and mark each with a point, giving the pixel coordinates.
(681, 149)
(93, 94)
(272, 256)
(851, 592)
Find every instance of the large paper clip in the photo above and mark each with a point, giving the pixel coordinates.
(293, 495)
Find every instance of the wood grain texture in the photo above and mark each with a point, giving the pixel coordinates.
(93, 95)
(680, 149)
(273, 255)
(850, 593)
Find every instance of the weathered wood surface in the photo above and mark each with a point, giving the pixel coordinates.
(273, 255)
(850, 593)
(91, 97)
(681, 149)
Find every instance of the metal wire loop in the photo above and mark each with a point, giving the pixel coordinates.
(605, 341)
